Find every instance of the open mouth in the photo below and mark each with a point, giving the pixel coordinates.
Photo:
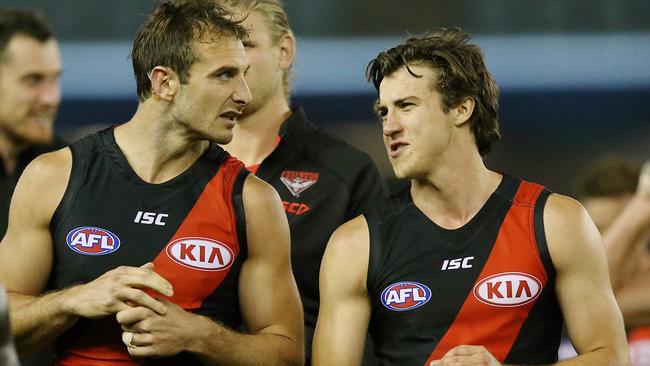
(231, 115)
(397, 148)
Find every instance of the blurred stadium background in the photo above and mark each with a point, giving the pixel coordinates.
(574, 75)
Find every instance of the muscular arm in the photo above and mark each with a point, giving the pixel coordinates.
(26, 256)
(344, 304)
(269, 298)
(28, 244)
(593, 320)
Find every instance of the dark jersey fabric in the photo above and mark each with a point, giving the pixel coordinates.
(8, 181)
(191, 228)
(490, 282)
(323, 182)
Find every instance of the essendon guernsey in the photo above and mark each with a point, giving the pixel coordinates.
(489, 283)
(191, 228)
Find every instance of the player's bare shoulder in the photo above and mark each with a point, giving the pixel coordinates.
(45, 179)
(346, 255)
(568, 228)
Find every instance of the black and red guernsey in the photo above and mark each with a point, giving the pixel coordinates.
(323, 182)
(191, 227)
(489, 282)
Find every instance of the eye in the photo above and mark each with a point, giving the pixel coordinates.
(33, 79)
(225, 75)
(249, 44)
(406, 106)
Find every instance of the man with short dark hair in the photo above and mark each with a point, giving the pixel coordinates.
(466, 266)
(30, 92)
(156, 242)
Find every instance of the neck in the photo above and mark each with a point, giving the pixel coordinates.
(9, 152)
(255, 135)
(157, 149)
(455, 191)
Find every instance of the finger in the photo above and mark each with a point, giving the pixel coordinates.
(137, 340)
(142, 277)
(127, 339)
(462, 350)
(135, 296)
(133, 315)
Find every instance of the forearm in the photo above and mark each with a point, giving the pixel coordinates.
(622, 236)
(37, 321)
(600, 357)
(218, 345)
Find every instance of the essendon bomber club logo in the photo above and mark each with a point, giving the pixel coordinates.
(297, 181)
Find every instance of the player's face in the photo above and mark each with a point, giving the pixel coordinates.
(265, 75)
(416, 129)
(216, 92)
(29, 90)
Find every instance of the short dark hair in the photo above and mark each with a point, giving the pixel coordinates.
(609, 176)
(30, 23)
(461, 73)
(165, 39)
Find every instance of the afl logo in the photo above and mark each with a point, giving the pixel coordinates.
(402, 296)
(508, 289)
(90, 240)
(200, 253)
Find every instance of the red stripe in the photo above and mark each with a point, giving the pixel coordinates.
(515, 251)
(212, 217)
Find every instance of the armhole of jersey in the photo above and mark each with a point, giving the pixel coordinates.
(76, 172)
(374, 252)
(240, 214)
(540, 235)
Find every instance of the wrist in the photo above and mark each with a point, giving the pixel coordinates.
(65, 301)
(203, 335)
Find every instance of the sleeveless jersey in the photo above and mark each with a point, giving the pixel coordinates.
(191, 227)
(489, 282)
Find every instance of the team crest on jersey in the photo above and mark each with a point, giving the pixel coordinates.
(402, 296)
(90, 240)
(508, 289)
(298, 181)
(200, 253)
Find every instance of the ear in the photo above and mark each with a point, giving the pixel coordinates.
(287, 45)
(164, 82)
(464, 111)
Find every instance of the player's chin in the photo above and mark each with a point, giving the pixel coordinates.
(221, 138)
(38, 136)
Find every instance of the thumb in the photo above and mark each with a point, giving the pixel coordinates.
(148, 265)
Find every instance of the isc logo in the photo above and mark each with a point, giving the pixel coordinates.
(200, 253)
(508, 289)
(402, 296)
(457, 263)
(150, 218)
(90, 240)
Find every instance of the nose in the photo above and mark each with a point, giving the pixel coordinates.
(50, 93)
(391, 124)
(242, 94)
